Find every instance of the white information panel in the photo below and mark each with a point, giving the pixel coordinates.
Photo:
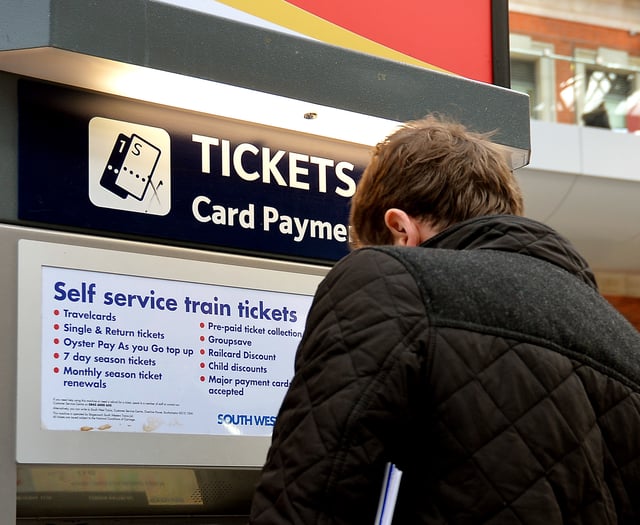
(121, 350)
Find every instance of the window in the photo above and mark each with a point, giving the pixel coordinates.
(523, 79)
(610, 82)
(533, 73)
(611, 88)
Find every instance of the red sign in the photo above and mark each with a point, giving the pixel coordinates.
(457, 36)
(454, 35)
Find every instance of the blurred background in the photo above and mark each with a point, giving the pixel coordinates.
(579, 61)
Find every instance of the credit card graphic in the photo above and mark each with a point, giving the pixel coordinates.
(130, 166)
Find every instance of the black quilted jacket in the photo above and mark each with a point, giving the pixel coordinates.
(485, 365)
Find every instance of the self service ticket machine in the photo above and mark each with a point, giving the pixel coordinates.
(175, 186)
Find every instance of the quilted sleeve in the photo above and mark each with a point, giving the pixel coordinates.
(348, 408)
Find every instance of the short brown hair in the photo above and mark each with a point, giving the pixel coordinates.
(435, 170)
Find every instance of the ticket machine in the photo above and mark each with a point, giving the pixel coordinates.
(175, 186)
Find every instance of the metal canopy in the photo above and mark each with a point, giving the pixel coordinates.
(169, 38)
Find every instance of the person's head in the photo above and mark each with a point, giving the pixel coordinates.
(430, 174)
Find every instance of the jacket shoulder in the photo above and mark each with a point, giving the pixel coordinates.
(364, 287)
(515, 295)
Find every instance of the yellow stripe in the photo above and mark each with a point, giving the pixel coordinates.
(286, 15)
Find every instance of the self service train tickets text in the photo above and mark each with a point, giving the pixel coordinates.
(87, 293)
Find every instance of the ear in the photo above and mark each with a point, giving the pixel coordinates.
(405, 230)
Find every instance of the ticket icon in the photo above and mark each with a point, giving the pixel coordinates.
(130, 166)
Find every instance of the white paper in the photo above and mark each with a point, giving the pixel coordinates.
(388, 495)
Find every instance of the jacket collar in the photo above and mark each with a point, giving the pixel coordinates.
(511, 233)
